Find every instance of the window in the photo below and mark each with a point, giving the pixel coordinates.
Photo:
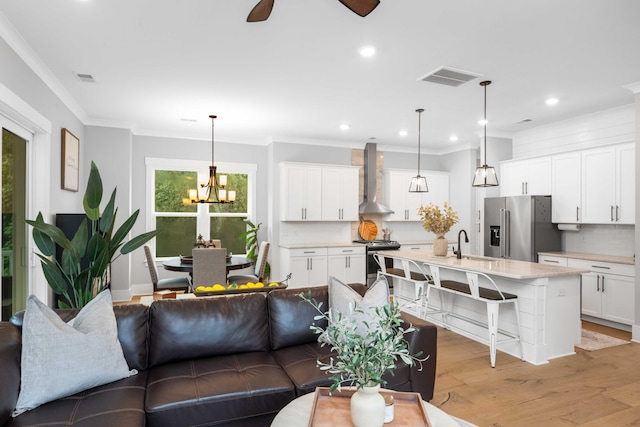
(168, 182)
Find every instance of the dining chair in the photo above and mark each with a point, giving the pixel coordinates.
(259, 268)
(209, 266)
(173, 283)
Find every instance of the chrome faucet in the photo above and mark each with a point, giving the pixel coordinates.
(466, 240)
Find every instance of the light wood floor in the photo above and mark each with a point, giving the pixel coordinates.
(598, 388)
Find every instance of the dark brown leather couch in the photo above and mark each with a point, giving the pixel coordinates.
(224, 361)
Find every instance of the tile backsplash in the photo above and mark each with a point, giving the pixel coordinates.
(601, 239)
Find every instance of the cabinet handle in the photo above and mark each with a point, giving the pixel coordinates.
(617, 213)
(611, 213)
(598, 283)
(308, 263)
(522, 185)
(311, 263)
(601, 266)
(479, 214)
(552, 260)
(526, 188)
(602, 283)
(577, 213)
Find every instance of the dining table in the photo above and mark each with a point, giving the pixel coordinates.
(236, 262)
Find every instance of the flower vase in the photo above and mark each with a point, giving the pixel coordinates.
(367, 407)
(440, 245)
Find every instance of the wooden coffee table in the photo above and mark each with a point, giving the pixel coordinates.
(298, 412)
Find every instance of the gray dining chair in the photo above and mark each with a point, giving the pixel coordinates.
(173, 283)
(209, 266)
(259, 268)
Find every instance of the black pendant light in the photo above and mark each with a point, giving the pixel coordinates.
(419, 182)
(485, 175)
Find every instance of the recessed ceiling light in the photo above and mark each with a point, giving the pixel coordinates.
(453, 138)
(552, 101)
(344, 126)
(403, 133)
(368, 51)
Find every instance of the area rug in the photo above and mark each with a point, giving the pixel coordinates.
(592, 341)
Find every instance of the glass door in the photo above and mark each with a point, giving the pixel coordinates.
(13, 238)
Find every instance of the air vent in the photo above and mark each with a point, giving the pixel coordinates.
(449, 76)
(87, 78)
(519, 122)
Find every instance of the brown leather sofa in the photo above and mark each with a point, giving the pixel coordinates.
(225, 361)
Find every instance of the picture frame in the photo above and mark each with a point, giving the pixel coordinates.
(70, 161)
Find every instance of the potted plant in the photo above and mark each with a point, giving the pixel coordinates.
(251, 244)
(364, 352)
(438, 222)
(76, 284)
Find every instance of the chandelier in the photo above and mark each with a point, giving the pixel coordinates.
(214, 190)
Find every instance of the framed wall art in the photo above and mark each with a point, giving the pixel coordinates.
(70, 160)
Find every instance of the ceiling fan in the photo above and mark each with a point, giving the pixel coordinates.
(262, 10)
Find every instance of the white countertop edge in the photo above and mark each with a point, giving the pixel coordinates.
(492, 266)
(593, 257)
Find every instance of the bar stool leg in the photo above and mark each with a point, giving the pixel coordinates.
(492, 323)
(517, 309)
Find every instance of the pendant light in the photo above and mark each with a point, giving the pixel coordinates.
(419, 182)
(485, 175)
(213, 191)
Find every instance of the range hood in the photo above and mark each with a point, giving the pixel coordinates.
(369, 204)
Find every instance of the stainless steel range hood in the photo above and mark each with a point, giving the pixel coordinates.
(369, 204)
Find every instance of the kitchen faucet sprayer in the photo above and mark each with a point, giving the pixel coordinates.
(466, 240)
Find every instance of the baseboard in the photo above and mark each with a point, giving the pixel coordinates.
(608, 323)
(635, 333)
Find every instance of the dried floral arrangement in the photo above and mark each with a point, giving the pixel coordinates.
(436, 220)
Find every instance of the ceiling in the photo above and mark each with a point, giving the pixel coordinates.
(162, 67)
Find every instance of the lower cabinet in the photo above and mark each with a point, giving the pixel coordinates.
(347, 264)
(608, 291)
(308, 266)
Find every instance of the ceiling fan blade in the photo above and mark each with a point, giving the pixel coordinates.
(361, 7)
(261, 11)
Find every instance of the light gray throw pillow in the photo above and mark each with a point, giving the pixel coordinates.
(60, 359)
(343, 299)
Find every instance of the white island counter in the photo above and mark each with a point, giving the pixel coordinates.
(548, 298)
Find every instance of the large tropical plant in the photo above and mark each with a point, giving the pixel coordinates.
(251, 243)
(75, 280)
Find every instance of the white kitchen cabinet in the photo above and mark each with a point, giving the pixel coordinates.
(300, 192)
(405, 204)
(608, 291)
(552, 260)
(608, 185)
(595, 186)
(566, 187)
(308, 266)
(348, 264)
(340, 193)
(526, 177)
(438, 183)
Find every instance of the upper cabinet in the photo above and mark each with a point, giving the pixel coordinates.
(526, 177)
(405, 204)
(608, 185)
(565, 189)
(314, 192)
(340, 193)
(595, 186)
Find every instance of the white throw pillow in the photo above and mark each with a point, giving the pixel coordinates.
(60, 359)
(343, 299)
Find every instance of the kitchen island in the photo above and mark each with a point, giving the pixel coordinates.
(548, 299)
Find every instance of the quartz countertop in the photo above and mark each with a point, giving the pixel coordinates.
(319, 245)
(492, 266)
(593, 257)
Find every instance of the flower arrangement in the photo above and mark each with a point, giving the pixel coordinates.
(437, 221)
(363, 357)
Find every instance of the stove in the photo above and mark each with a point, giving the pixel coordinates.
(374, 246)
(379, 245)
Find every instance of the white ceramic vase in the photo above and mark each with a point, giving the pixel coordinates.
(367, 407)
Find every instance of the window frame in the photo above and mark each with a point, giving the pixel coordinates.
(202, 214)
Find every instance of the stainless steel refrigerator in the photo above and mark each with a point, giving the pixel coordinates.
(519, 227)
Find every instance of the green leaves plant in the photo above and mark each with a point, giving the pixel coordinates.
(82, 271)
